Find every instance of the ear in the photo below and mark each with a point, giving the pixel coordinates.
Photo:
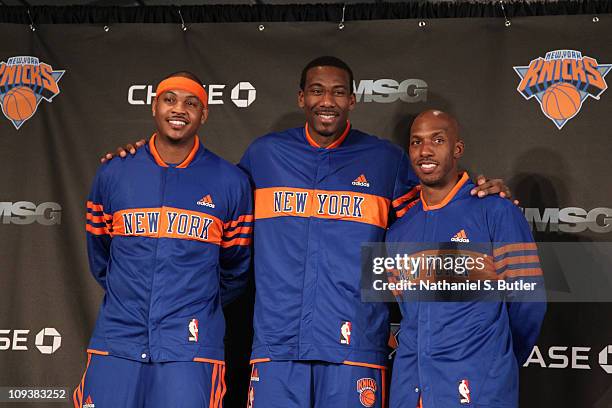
(154, 106)
(204, 115)
(301, 99)
(352, 102)
(459, 148)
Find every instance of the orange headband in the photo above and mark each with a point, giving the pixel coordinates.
(184, 84)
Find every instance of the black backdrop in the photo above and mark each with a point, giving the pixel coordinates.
(251, 69)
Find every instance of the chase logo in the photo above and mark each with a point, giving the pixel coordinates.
(561, 82)
(24, 82)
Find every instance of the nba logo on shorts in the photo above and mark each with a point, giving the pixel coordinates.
(193, 330)
(24, 82)
(464, 392)
(345, 333)
(561, 82)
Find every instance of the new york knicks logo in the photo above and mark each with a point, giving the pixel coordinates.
(367, 391)
(24, 82)
(561, 82)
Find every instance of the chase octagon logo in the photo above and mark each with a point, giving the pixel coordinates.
(561, 82)
(24, 82)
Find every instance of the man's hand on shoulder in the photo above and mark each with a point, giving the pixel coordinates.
(485, 187)
(122, 151)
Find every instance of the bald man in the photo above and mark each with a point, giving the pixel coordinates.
(466, 351)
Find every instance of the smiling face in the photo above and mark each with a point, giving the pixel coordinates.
(435, 148)
(327, 100)
(178, 115)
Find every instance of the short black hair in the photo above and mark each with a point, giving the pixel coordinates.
(185, 74)
(327, 61)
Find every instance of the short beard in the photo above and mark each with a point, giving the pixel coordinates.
(326, 133)
(433, 183)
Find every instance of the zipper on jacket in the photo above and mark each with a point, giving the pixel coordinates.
(154, 268)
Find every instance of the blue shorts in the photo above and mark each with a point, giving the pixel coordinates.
(113, 382)
(306, 384)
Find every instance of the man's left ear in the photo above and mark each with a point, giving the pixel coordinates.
(459, 147)
(204, 115)
(352, 102)
(154, 106)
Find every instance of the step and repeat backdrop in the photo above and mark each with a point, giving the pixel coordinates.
(531, 98)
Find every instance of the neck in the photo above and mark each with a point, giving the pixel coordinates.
(173, 152)
(435, 194)
(324, 141)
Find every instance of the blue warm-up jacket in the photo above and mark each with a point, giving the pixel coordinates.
(466, 352)
(314, 207)
(168, 244)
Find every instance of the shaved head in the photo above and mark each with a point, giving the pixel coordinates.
(438, 119)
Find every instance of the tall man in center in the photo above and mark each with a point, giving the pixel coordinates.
(321, 191)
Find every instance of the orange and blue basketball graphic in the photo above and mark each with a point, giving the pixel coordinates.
(561, 82)
(366, 387)
(19, 104)
(24, 82)
(367, 398)
(561, 101)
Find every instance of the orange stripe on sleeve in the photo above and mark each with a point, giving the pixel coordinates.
(523, 246)
(515, 273)
(242, 218)
(240, 230)
(98, 218)
(513, 260)
(95, 207)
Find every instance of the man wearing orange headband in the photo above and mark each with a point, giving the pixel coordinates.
(168, 236)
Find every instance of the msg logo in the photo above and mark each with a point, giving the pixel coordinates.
(389, 90)
(25, 212)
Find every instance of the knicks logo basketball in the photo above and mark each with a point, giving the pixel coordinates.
(367, 391)
(561, 82)
(24, 82)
